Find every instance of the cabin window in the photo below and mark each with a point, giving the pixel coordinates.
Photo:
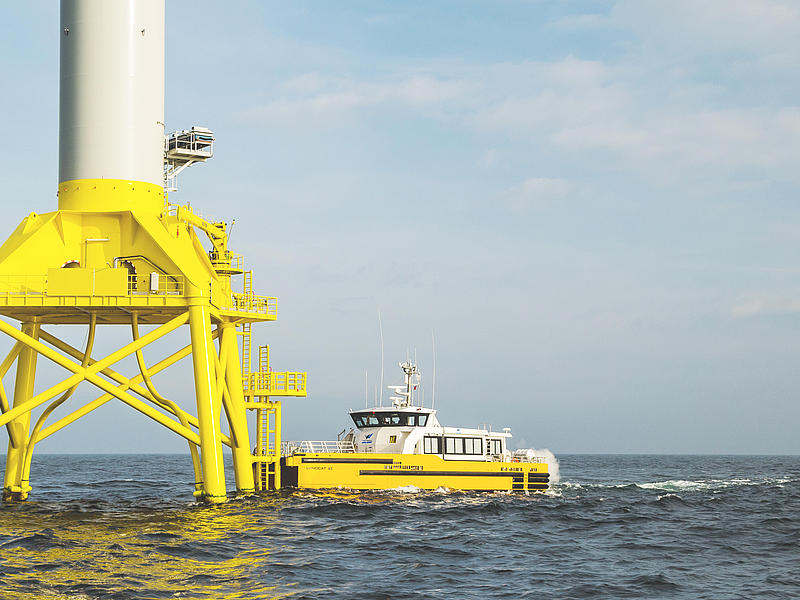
(453, 445)
(362, 420)
(421, 420)
(495, 447)
(392, 439)
(473, 446)
(460, 445)
(432, 445)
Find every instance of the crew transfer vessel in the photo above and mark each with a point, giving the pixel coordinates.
(404, 445)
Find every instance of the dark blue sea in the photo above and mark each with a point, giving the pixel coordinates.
(618, 526)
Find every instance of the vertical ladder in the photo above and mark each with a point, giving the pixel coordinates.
(247, 285)
(266, 437)
(263, 367)
(246, 353)
(268, 446)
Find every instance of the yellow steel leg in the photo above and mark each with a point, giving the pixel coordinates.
(34, 436)
(168, 404)
(23, 392)
(207, 413)
(237, 417)
(260, 486)
(277, 445)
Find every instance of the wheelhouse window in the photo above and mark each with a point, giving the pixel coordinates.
(387, 419)
(432, 445)
(495, 447)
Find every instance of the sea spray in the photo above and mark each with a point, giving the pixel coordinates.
(552, 464)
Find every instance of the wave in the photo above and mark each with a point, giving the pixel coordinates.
(678, 485)
(702, 485)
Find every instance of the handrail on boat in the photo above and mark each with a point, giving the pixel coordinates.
(333, 446)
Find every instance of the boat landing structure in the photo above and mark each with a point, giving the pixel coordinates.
(117, 252)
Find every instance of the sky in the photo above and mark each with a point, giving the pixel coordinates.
(590, 206)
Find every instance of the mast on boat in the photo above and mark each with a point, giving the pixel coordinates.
(404, 394)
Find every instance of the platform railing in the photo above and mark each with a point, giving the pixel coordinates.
(172, 285)
(264, 305)
(22, 285)
(311, 446)
(276, 382)
(37, 285)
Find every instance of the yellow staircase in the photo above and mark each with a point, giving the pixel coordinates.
(259, 387)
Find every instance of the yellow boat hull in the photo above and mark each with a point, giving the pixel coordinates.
(367, 471)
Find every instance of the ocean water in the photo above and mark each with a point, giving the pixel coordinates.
(126, 527)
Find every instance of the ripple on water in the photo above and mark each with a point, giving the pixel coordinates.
(673, 527)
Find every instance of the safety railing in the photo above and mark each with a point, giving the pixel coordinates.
(237, 260)
(195, 142)
(283, 383)
(527, 455)
(234, 259)
(309, 446)
(94, 284)
(156, 284)
(23, 285)
(264, 305)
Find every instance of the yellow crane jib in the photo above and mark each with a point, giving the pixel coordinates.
(225, 262)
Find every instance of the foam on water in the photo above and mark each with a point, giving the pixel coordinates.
(683, 485)
(407, 489)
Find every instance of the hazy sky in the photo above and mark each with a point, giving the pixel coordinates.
(593, 204)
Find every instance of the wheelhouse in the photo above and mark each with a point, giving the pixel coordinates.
(389, 419)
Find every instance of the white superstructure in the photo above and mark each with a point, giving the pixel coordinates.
(408, 428)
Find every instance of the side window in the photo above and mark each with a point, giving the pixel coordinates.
(432, 445)
(473, 446)
(392, 439)
(495, 447)
(453, 445)
(421, 420)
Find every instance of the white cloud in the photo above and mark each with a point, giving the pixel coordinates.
(712, 26)
(652, 111)
(312, 94)
(536, 192)
(765, 305)
(582, 22)
(490, 159)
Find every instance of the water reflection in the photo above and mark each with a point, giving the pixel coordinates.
(74, 550)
